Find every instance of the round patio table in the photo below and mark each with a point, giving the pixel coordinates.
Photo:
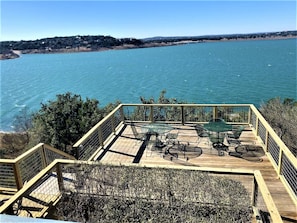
(217, 127)
(158, 128)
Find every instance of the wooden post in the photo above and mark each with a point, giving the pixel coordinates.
(78, 151)
(257, 126)
(122, 114)
(43, 157)
(183, 115)
(254, 193)
(152, 113)
(280, 162)
(215, 112)
(266, 140)
(59, 176)
(250, 116)
(112, 123)
(17, 176)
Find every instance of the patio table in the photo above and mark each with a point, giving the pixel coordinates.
(218, 127)
(156, 129)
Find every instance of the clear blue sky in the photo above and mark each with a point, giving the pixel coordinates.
(30, 20)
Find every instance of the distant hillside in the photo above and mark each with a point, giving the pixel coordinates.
(67, 44)
(11, 49)
(264, 35)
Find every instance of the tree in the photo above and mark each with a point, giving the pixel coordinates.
(23, 122)
(282, 116)
(62, 122)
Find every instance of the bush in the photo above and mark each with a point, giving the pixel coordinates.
(62, 122)
(103, 193)
(282, 116)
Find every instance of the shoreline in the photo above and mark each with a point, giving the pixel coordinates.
(14, 54)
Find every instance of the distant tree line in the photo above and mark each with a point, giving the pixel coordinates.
(221, 37)
(96, 42)
(59, 43)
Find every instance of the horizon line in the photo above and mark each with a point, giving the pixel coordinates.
(177, 36)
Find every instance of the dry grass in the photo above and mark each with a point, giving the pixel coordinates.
(104, 193)
(12, 145)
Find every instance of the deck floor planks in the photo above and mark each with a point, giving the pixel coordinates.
(127, 147)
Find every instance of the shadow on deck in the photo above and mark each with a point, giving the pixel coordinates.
(124, 148)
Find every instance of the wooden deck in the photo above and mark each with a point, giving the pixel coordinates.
(125, 148)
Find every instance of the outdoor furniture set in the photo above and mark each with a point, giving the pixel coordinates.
(164, 137)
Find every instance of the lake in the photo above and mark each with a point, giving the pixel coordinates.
(215, 72)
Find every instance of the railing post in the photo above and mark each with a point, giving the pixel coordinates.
(112, 123)
(183, 115)
(254, 193)
(257, 126)
(279, 167)
(250, 116)
(43, 157)
(17, 175)
(122, 113)
(78, 148)
(152, 113)
(59, 176)
(266, 140)
(215, 112)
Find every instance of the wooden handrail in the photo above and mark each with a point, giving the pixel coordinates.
(272, 209)
(16, 162)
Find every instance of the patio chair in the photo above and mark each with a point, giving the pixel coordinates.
(234, 135)
(137, 135)
(154, 146)
(171, 137)
(217, 120)
(201, 132)
(217, 140)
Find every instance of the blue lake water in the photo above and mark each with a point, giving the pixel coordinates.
(216, 72)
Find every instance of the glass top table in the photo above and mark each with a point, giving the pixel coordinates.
(159, 128)
(217, 127)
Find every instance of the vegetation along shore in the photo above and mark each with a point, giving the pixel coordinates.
(54, 124)
(13, 49)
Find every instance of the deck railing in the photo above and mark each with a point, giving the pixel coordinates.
(284, 162)
(239, 114)
(15, 172)
(95, 139)
(59, 176)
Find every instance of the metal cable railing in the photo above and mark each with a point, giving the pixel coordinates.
(7, 176)
(281, 157)
(95, 139)
(46, 188)
(31, 165)
(262, 132)
(273, 149)
(14, 173)
(290, 173)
